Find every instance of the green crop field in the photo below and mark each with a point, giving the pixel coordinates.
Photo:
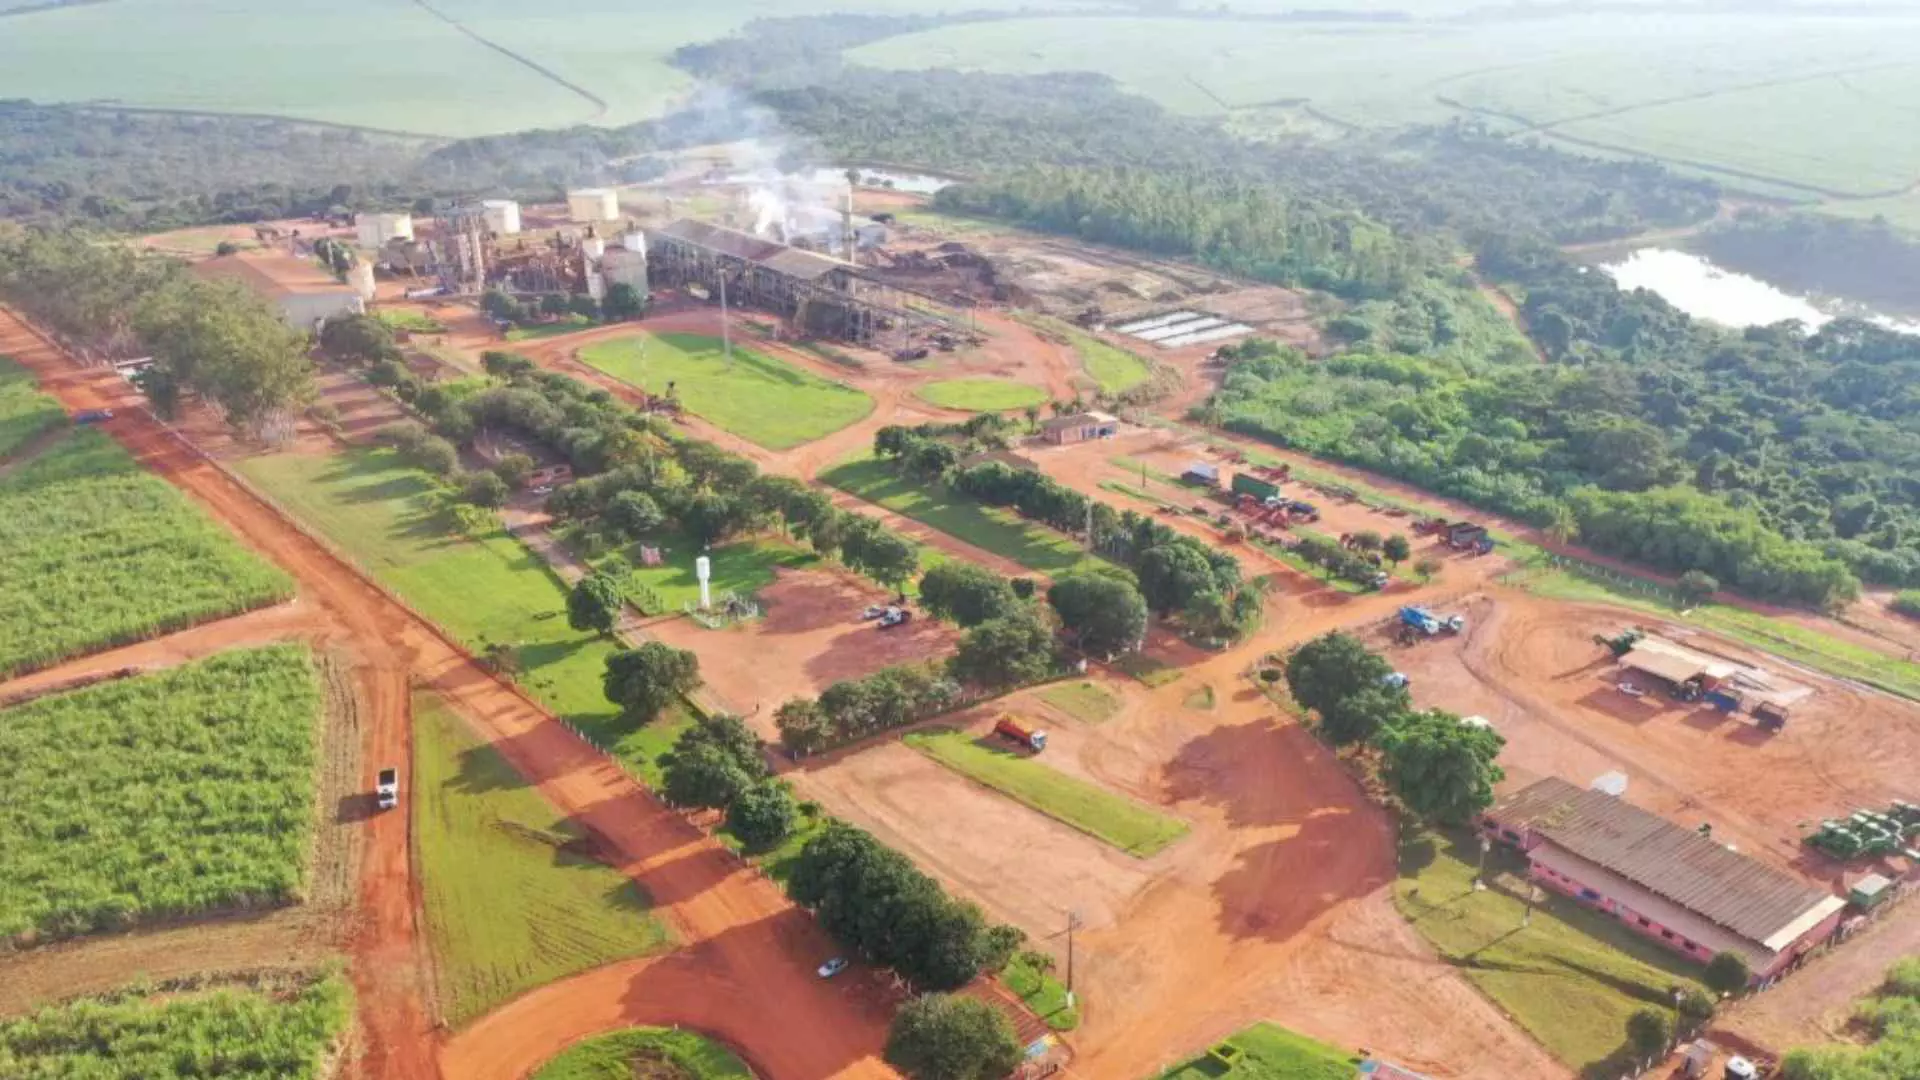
(96, 552)
(175, 794)
(650, 1052)
(1745, 98)
(511, 901)
(757, 397)
(981, 395)
(1002, 532)
(1570, 978)
(491, 590)
(276, 1033)
(24, 411)
(1135, 829)
(1269, 1052)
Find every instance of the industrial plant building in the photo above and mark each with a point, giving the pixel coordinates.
(819, 296)
(1079, 428)
(304, 292)
(1669, 883)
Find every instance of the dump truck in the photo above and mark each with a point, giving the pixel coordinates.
(1022, 733)
(1248, 484)
(1426, 622)
(386, 788)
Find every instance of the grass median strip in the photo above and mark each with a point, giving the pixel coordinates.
(1266, 1052)
(1134, 829)
(512, 895)
(982, 395)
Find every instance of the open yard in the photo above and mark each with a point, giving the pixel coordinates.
(511, 893)
(490, 590)
(757, 397)
(1571, 977)
(744, 567)
(1269, 1052)
(1002, 532)
(176, 794)
(982, 394)
(282, 1032)
(24, 411)
(646, 1052)
(1129, 826)
(96, 552)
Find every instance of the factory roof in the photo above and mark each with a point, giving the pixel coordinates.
(1719, 884)
(804, 265)
(1079, 420)
(275, 275)
(780, 258)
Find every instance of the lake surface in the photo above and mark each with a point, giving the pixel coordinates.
(1699, 287)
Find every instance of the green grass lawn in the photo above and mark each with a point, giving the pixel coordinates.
(1087, 702)
(24, 411)
(97, 552)
(981, 395)
(743, 567)
(757, 397)
(1002, 532)
(1270, 1052)
(1135, 829)
(511, 898)
(1147, 669)
(409, 320)
(1044, 994)
(381, 512)
(646, 1052)
(560, 327)
(1571, 978)
(1113, 370)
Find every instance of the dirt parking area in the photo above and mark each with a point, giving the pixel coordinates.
(809, 637)
(1532, 668)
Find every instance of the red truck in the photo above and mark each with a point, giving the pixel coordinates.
(1010, 728)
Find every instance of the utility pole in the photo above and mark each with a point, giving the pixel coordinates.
(1073, 923)
(726, 332)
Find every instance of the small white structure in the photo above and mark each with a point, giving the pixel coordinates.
(590, 205)
(502, 216)
(703, 570)
(373, 231)
(360, 279)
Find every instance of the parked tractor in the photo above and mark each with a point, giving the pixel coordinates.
(1621, 643)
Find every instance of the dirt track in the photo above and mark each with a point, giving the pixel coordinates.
(761, 948)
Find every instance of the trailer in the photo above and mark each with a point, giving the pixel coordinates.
(1201, 474)
(1245, 483)
(1027, 736)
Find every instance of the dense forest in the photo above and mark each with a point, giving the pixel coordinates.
(1863, 260)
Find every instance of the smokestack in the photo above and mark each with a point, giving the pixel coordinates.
(846, 226)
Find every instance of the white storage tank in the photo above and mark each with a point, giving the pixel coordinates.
(373, 231)
(635, 241)
(589, 205)
(502, 216)
(593, 248)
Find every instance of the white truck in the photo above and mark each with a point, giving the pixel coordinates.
(387, 788)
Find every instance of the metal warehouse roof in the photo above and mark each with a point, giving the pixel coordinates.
(804, 265)
(725, 241)
(1745, 896)
(1674, 669)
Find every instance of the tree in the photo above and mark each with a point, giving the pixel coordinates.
(804, 727)
(886, 558)
(965, 593)
(1009, 651)
(594, 603)
(1332, 667)
(635, 513)
(944, 1037)
(226, 247)
(1649, 1033)
(644, 681)
(763, 814)
(1171, 574)
(1695, 587)
(1695, 1009)
(703, 775)
(228, 346)
(513, 470)
(1104, 614)
(623, 303)
(711, 517)
(1361, 716)
(1728, 974)
(482, 488)
(1427, 566)
(1396, 549)
(1440, 768)
(506, 366)
(1366, 540)
(358, 340)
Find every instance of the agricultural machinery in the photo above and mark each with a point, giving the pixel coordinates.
(1870, 834)
(1621, 643)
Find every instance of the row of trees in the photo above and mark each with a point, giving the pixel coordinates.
(719, 764)
(210, 341)
(1438, 767)
(875, 901)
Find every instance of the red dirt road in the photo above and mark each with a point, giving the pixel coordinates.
(756, 950)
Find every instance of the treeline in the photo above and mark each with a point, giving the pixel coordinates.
(1867, 261)
(210, 341)
(1577, 450)
(1242, 227)
(1892, 1016)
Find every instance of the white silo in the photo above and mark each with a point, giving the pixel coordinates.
(373, 231)
(502, 216)
(589, 205)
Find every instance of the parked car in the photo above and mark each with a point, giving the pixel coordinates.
(386, 788)
(895, 617)
(873, 612)
(833, 967)
(1631, 690)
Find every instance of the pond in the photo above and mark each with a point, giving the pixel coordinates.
(1705, 290)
